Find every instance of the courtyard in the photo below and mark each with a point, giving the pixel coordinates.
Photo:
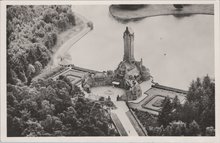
(106, 91)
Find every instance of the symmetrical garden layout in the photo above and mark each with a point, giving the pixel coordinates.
(152, 103)
(129, 86)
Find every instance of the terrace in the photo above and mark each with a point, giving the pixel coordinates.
(154, 96)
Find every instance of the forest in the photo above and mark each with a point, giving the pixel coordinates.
(196, 117)
(46, 107)
(32, 33)
(55, 108)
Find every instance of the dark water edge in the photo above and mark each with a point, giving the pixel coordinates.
(135, 19)
(125, 21)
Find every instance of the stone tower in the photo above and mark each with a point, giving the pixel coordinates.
(128, 45)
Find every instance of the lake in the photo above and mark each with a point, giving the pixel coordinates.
(176, 50)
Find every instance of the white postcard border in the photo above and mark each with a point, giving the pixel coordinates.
(4, 137)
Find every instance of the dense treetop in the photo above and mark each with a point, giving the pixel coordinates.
(45, 107)
(195, 117)
(55, 108)
(31, 35)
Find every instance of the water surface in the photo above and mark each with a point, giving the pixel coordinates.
(176, 50)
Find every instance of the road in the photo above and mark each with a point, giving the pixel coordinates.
(121, 113)
(69, 44)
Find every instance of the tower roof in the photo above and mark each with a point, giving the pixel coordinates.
(128, 30)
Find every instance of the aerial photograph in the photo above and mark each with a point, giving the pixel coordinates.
(110, 70)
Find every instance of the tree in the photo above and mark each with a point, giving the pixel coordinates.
(31, 70)
(101, 98)
(195, 91)
(176, 102)
(62, 22)
(207, 118)
(47, 109)
(177, 107)
(155, 131)
(71, 17)
(164, 115)
(194, 129)
(15, 127)
(54, 38)
(11, 76)
(195, 117)
(25, 114)
(201, 99)
(52, 124)
(145, 73)
(206, 82)
(188, 112)
(31, 35)
(176, 128)
(38, 67)
(67, 81)
(210, 131)
(22, 76)
(33, 129)
(48, 15)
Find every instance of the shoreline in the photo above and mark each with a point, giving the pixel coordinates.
(159, 10)
(66, 40)
(72, 39)
(67, 37)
